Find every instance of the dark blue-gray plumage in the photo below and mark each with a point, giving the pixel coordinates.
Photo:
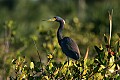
(68, 46)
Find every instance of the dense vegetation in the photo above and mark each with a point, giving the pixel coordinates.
(29, 47)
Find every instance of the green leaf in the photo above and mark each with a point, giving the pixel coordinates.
(14, 61)
(98, 50)
(118, 77)
(100, 54)
(96, 69)
(31, 65)
(50, 66)
(50, 56)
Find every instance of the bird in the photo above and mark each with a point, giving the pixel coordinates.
(68, 46)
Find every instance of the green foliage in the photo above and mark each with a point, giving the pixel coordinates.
(104, 66)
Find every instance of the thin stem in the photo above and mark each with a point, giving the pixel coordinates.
(86, 55)
(110, 20)
(7, 36)
(37, 50)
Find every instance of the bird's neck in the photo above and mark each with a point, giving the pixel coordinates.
(59, 32)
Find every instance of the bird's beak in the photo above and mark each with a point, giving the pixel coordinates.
(52, 19)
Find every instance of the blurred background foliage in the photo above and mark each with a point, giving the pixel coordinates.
(21, 23)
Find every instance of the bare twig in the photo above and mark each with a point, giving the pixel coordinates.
(37, 50)
(86, 55)
(7, 36)
(110, 20)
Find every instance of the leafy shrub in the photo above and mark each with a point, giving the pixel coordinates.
(104, 66)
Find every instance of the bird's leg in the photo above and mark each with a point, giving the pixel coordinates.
(67, 66)
(68, 63)
(68, 60)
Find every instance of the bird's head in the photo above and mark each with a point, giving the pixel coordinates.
(57, 18)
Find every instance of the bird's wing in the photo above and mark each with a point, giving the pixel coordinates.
(69, 44)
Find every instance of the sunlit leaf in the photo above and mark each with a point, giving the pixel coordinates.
(64, 69)
(84, 72)
(14, 61)
(31, 65)
(111, 62)
(50, 56)
(50, 65)
(56, 72)
(99, 76)
(112, 69)
(101, 67)
(46, 77)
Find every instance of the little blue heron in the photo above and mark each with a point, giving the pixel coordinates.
(68, 46)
